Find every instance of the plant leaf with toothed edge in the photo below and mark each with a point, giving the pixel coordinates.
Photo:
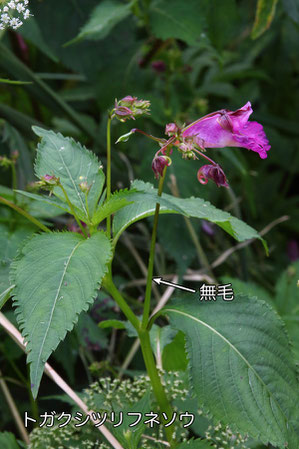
(241, 366)
(117, 201)
(68, 160)
(57, 276)
(144, 205)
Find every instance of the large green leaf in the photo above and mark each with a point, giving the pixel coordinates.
(73, 164)
(56, 276)
(265, 12)
(241, 366)
(145, 204)
(102, 19)
(181, 20)
(10, 240)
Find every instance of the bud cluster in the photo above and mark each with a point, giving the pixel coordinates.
(130, 107)
(13, 13)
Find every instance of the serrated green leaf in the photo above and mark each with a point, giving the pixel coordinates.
(5, 295)
(56, 276)
(265, 12)
(50, 200)
(116, 202)
(102, 20)
(241, 367)
(10, 241)
(68, 160)
(177, 19)
(144, 205)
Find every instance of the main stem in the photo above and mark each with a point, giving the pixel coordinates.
(156, 383)
(108, 173)
(148, 290)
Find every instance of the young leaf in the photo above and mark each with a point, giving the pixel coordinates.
(242, 370)
(144, 205)
(103, 18)
(73, 164)
(117, 201)
(50, 200)
(56, 276)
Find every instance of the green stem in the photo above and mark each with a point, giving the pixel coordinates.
(25, 214)
(158, 388)
(108, 173)
(73, 210)
(125, 308)
(148, 290)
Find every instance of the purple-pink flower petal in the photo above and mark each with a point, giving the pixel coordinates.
(226, 128)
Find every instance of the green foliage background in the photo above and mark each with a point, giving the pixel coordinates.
(188, 59)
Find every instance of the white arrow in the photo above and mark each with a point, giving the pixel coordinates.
(159, 280)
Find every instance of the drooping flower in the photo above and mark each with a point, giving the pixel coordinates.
(158, 164)
(213, 172)
(226, 128)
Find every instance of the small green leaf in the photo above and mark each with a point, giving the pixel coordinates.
(117, 324)
(265, 12)
(102, 20)
(57, 276)
(72, 164)
(241, 367)
(116, 202)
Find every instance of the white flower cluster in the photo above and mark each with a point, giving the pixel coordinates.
(13, 13)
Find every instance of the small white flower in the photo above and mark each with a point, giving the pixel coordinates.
(26, 14)
(20, 7)
(11, 4)
(5, 9)
(5, 18)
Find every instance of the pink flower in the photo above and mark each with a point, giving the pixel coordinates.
(158, 164)
(213, 172)
(226, 128)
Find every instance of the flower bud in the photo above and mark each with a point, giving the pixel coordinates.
(213, 172)
(159, 163)
(49, 180)
(84, 187)
(130, 107)
(171, 129)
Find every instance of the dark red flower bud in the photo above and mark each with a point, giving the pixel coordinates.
(159, 163)
(213, 172)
